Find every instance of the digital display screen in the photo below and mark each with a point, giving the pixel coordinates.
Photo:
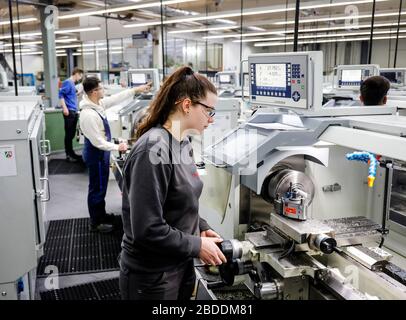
(271, 75)
(391, 76)
(138, 78)
(225, 78)
(351, 75)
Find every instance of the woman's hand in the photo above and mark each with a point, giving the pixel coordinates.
(210, 253)
(210, 234)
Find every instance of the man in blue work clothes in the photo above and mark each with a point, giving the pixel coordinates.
(98, 145)
(69, 103)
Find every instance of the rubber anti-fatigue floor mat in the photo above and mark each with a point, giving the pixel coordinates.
(61, 166)
(73, 249)
(99, 290)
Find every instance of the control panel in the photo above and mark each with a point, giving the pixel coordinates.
(138, 77)
(396, 76)
(350, 77)
(287, 80)
(227, 79)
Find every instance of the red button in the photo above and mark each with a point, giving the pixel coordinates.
(293, 81)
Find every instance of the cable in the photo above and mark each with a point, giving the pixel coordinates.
(287, 252)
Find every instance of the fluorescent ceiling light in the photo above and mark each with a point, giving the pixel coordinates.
(123, 8)
(100, 49)
(327, 35)
(95, 3)
(60, 31)
(143, 24)
(204, 29)
(70, 46)
(19, 50)
(256, 28)
(226, 21)
(94, 44)
(274, 44)
(320, 19)
(22, 35)
(21, 20)
(77, 30)
(29, 53)
(66, 40)
(31, 43)
(236, 13)
(280, 32)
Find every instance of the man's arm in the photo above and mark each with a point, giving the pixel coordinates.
(62, 92)
(117, 98)
(65, 109)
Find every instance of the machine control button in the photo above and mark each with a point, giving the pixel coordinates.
(296, 96)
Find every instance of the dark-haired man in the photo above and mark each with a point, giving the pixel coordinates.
(69, 102)
(374, 91)
(98, 145)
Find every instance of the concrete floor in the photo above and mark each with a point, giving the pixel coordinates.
(69, 201)
(69, 196)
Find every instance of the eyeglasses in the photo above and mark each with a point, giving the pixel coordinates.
(212, 111)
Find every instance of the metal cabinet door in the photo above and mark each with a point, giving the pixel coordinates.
(40, 150)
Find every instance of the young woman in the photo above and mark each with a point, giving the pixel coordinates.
(162, 228)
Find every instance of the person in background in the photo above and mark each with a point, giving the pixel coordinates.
(374, 91)
(69, 102)
(163, 231)
(97, 147)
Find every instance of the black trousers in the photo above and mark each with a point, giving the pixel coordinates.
(71, 122)
(175, 284)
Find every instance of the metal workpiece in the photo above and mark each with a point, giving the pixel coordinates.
(233, 268)
(283, 180)
(269, 290)
(263, 239)
(324, 243)
(300, 231)
(291, 192)
(232, 249)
